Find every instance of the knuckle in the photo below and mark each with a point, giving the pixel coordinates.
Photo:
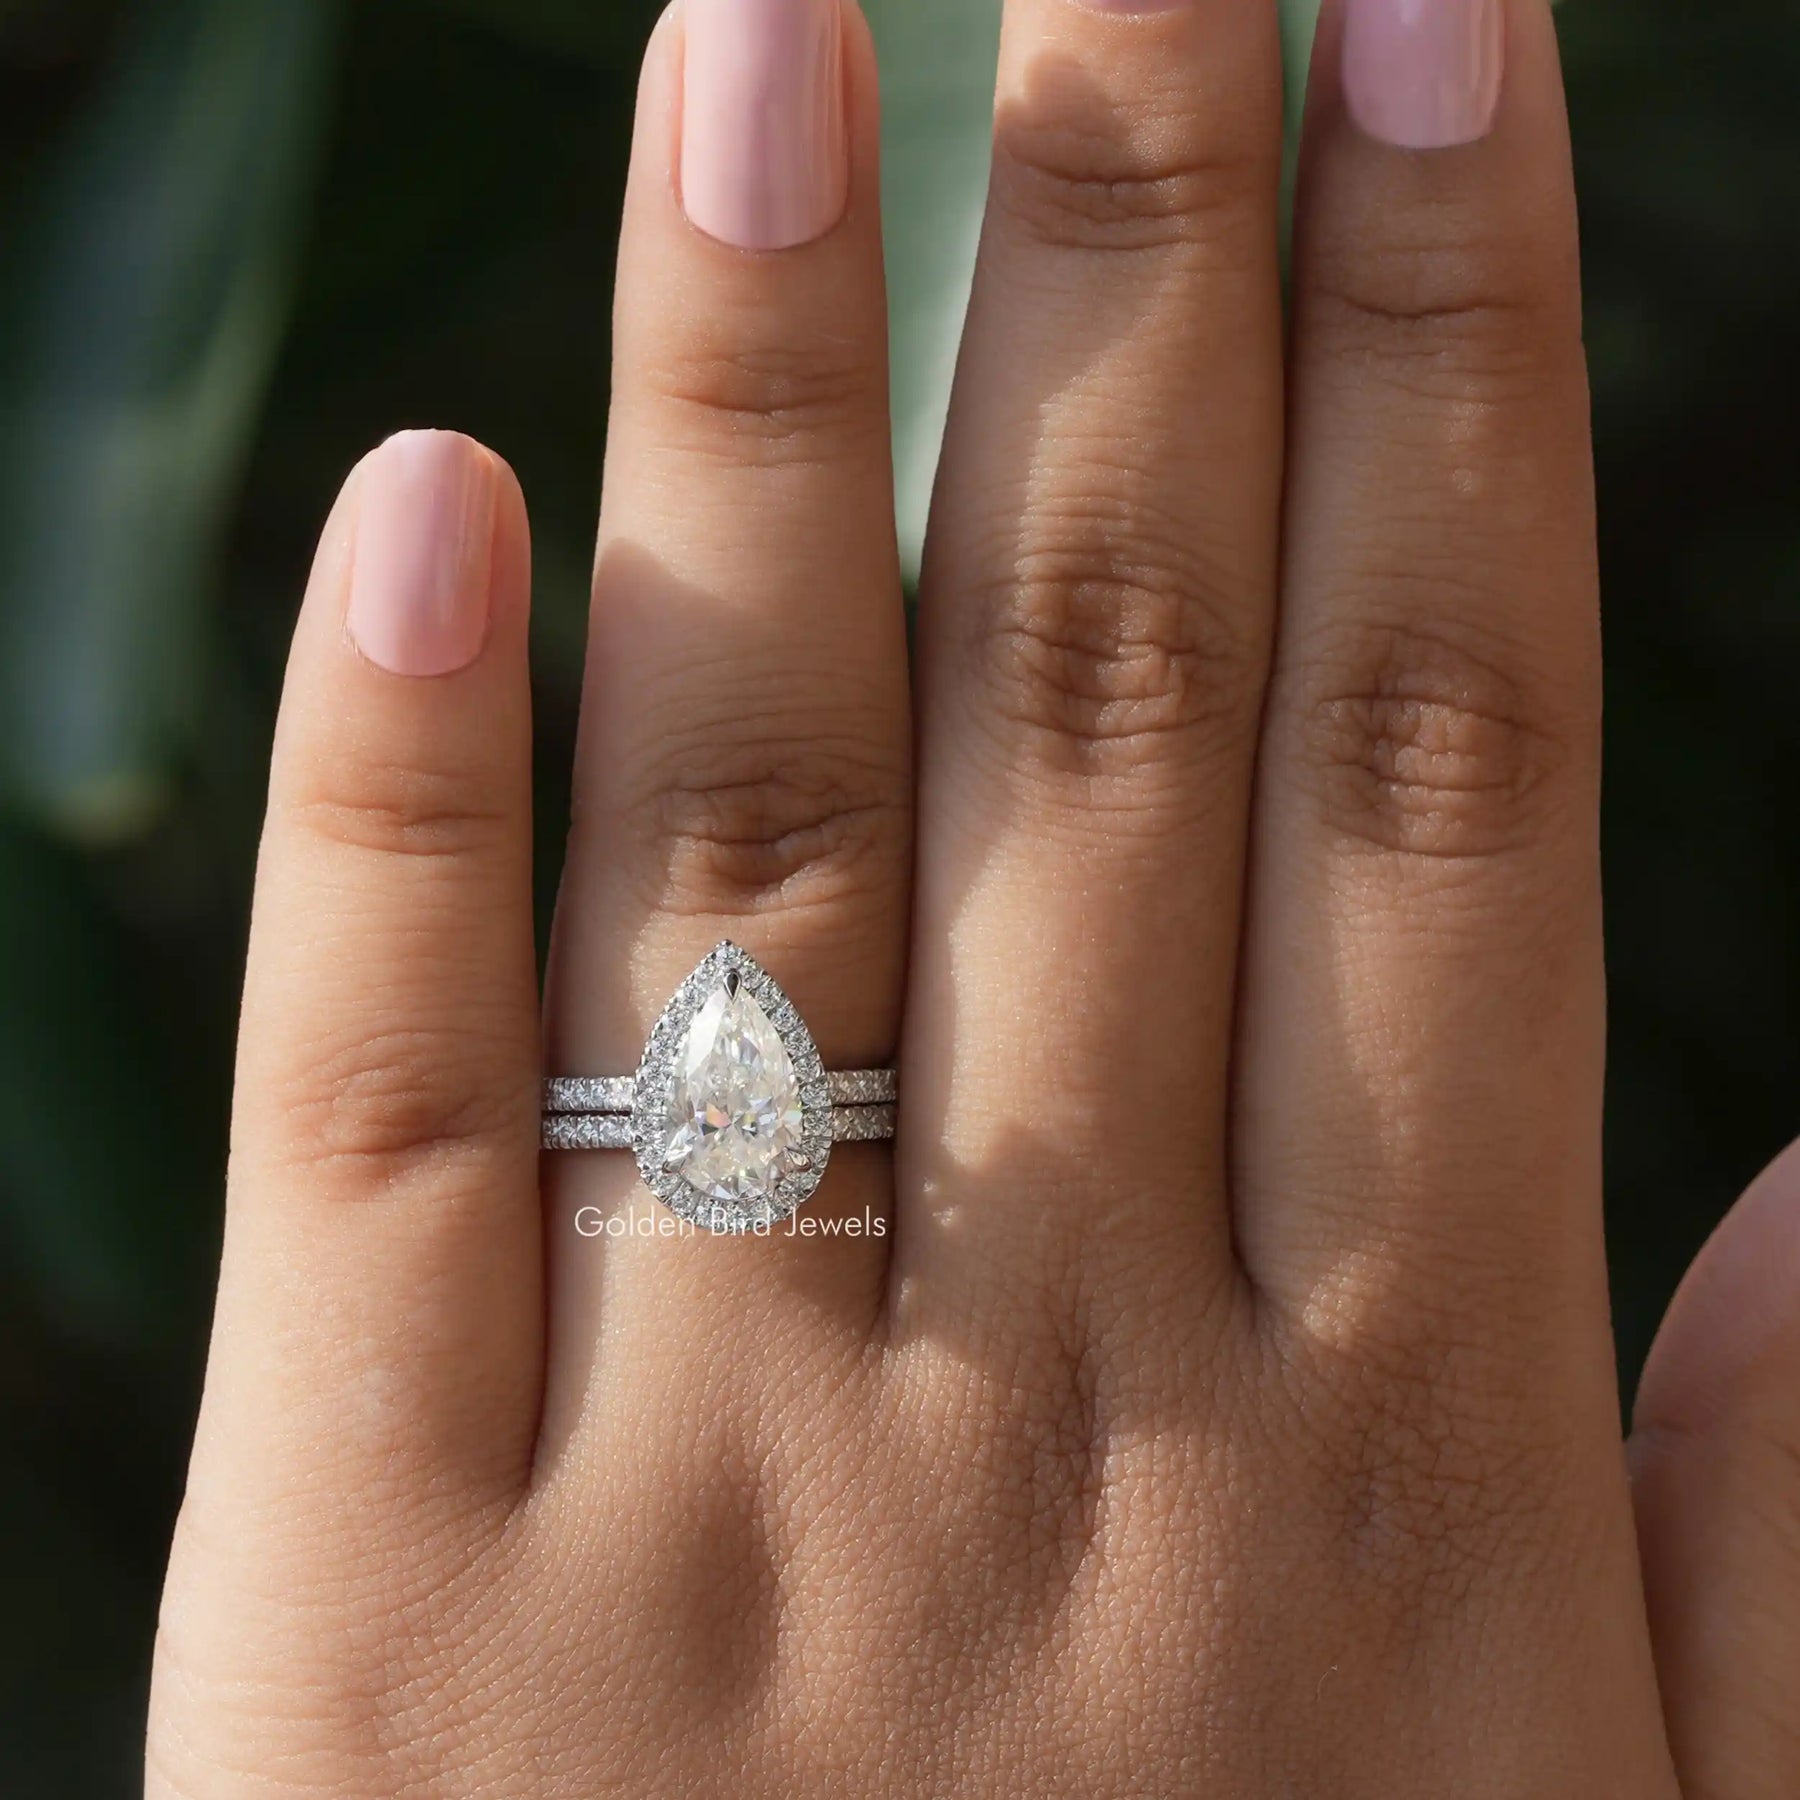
(739, 829)
(1110, 658)
(385, 1105)
(1415, 742)
(394, 810)
(1436, 1468)
(1063, 1460)
(776, 397)
(1047, 1466)
(1072, 179)
(1447, 304)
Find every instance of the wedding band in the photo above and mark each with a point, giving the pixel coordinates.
(614, 1093)
(612, 1131)
(731, 1114)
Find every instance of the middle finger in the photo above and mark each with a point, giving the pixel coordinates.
(1094, 628)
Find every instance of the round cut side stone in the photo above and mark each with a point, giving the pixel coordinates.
(734, 1105)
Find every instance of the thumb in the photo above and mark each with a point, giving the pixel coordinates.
(1715, 1460)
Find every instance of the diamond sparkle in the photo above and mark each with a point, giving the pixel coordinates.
(734, 1115)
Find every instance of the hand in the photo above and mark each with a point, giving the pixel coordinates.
(1223, 1401)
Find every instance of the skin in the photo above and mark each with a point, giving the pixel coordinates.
(1226, 1402)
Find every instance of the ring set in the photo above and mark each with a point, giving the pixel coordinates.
(731, 1114)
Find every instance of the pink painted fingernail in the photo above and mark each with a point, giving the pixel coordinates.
(1424, 74)
(764, 158)
(424, 539)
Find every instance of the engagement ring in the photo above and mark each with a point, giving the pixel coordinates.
(731, 1114)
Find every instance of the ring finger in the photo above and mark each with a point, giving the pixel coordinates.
(744, 765)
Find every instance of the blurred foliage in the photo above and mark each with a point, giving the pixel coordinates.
(141, 306)
(242, 239)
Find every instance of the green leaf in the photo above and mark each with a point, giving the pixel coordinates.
(1299, 21)
(141, 305)
(937, 69)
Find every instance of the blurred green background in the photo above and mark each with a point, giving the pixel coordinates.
(241, 240)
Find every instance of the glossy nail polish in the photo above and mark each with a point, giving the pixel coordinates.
(1424, 74)
(764, 155)
(419, 587)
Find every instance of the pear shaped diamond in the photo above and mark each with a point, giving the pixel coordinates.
(731, 1109)
(734, 1114)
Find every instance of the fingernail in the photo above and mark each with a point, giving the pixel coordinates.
(1424, 74)
(424, 538)
(764, 158)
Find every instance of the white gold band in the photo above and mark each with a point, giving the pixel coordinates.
(612, 1131)
(616, 1093)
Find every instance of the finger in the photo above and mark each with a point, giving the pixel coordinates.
(744, 765)
(1422, 1053)
(1416, 1133)
(1715, 1458)
(380, 1305)
(1093, 630)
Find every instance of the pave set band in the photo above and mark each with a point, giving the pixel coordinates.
(593, 1112)
(731, 1114)
(616, 1093)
